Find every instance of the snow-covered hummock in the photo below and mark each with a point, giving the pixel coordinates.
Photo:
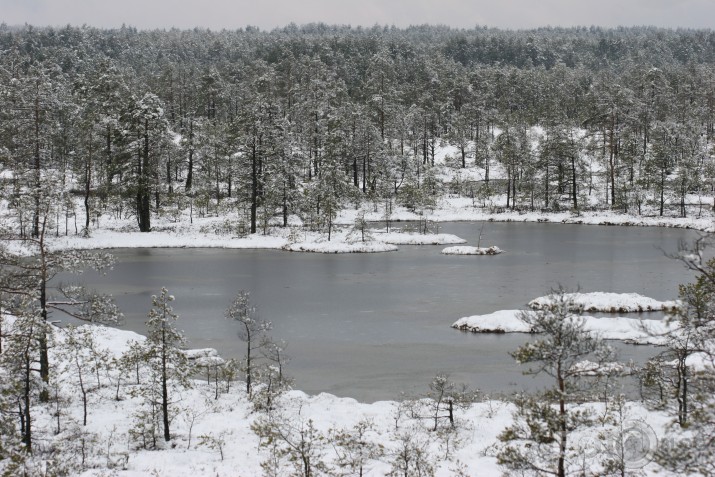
(631, 330)
(502, 321)
(608, 302)
(591, 368)
(467, 250)
(413, 238)
(340, 247)
(206, 357)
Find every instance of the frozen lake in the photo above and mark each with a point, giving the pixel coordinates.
(370, 326)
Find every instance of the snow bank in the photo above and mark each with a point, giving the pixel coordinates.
(631, 330)
(608, 302)
(466, 250)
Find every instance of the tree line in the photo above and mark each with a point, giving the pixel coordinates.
(308, 120)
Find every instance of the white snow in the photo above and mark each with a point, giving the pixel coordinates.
(467, 250)
(631, 330)
(591, 368)
(405, 238)
(502, 321)
(228, 419)
(608, 302)
(340, 247)
(464, 209)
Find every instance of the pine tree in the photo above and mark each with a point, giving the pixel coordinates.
(168, 366)
(693, 384)
(538, 441)
(252, 331)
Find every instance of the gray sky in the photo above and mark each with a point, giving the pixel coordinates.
(267, 14)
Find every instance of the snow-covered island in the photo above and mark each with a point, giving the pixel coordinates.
(630, 330)
(372, 241)
(339, 247)
(608, 302)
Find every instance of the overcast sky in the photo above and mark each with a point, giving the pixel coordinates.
(268, 14)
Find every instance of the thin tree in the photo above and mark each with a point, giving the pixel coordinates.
(163, 354)
(538, 440)
(252, 331)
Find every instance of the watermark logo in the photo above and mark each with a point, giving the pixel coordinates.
(636, 444)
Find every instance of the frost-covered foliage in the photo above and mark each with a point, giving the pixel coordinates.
(540, 438)
(683, 376)
(166, 373)
(147, 127)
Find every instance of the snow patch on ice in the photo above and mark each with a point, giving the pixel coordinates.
(467, 250)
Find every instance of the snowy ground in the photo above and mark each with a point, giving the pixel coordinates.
(456, 209)
(295, 239)
(212, 436)
(222, 232)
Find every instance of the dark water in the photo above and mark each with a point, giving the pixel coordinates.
(370, 326)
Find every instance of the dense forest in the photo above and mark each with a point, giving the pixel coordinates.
(307, 120)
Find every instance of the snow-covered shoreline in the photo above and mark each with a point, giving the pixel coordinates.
(121, 234)
(222, 426)
(462, 210)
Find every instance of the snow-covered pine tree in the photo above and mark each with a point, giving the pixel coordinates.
(168, 369)
(692, 381)
(538, 441)
(252, 331)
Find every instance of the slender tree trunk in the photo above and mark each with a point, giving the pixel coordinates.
(561, 472)
(164, 386)
(26, 412)
(612, 157)
(190, 166)
(254, 185)
(38, 170)
(143, 199)
(574, 190)
(44, 354)
(249, 371)
(87, 186)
